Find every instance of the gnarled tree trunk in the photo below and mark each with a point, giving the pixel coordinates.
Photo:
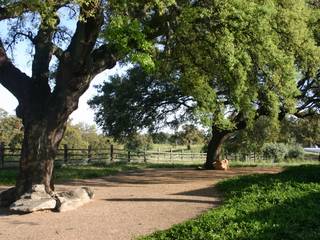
(215, 146)
(219, 136)
(45, 110)
(39, 150)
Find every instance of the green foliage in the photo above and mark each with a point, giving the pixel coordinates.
(72, 137)
(128, 29)
(238, 54)
(189, 134)
(160, 137)
(276, 151)
(304, 131)
(252, 139)
(82, 135)
(136, 101)
(282, 206)
(10, 130)
(137, 142)
(295, 152)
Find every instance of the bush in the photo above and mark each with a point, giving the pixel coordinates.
(276, 151)
(138, 142)
(295, 152)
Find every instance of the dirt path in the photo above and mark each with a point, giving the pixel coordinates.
(125, 206)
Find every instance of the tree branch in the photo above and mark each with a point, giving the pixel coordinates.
(104, 57)
(11, 77)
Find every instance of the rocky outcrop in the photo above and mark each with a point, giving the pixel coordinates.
(38, 200)
(71, 200)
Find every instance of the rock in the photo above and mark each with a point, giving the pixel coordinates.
(36, 200)
(221, 164)
(71, 200)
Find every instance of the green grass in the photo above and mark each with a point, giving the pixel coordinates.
(258, 207)
(289, 163)
(8, 176)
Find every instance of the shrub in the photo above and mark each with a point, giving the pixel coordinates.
(138, 142)
(276, 151)
(295, 151)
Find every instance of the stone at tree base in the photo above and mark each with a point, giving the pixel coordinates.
(71, 200)
(36, 200)
(221, 164)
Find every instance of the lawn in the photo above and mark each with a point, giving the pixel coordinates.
(282, 206)
(8, 176)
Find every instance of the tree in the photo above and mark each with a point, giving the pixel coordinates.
(231, 67)
(10, 130)
(64, 63)
(305, 131)
(137, 100)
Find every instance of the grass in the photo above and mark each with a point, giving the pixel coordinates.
(8, 176)
(287, 163)
(282, 206)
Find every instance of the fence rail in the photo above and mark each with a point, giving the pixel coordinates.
(9, 157)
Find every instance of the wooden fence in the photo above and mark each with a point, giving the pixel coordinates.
(76, 156)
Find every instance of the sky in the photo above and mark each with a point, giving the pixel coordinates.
(22, 59)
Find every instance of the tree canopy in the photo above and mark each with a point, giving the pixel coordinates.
(224, 62)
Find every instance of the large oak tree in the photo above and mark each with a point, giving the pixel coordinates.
(64, 62)
(233, 61)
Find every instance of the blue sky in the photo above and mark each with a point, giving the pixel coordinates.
(22, 59)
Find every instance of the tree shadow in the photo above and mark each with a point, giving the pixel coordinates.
(4, 212)
(213, 202)
(202, 192)
(166, 176)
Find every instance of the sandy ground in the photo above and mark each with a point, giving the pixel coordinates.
(125, 206)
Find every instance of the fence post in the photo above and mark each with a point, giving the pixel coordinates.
(2, 154)
(145, 155)
(111, 153)
(89, 153)
(170, 154)
(129, 156)
(181, 154)
(158, 154)
(65, 153)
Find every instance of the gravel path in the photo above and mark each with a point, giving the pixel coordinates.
(125, 206)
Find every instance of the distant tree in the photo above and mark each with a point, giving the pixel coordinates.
(252, 139)
(137, 100)
(137, 142)
(305, 132)
(90, 134)
(11, 130)
(160, 137)
(73, 137)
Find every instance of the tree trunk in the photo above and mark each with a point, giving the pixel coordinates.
(39, 149)
(215, 146)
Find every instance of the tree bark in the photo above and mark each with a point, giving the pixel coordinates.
(39, 149)
(45, 112)
(214, 151)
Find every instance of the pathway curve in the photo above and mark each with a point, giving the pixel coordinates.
(125, 205)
